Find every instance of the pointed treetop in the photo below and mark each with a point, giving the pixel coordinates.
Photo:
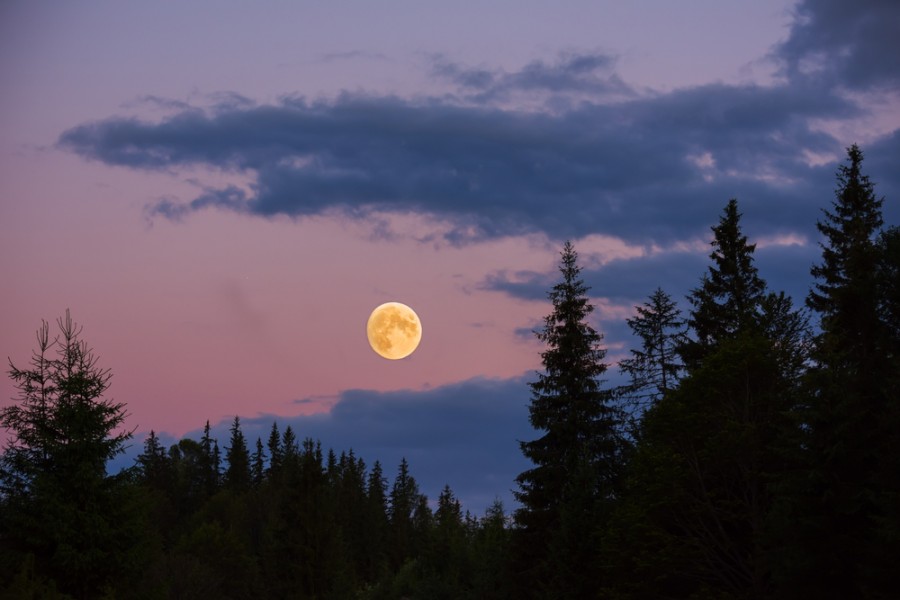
(850, 231)
(728, 299)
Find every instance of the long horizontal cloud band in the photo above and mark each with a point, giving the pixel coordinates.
(642, 168)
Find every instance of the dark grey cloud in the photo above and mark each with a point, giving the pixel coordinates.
(464, 435)
(633, 280)
(527, 285)
(850, 44)
(648, 168)
(621, 281)
(882, 158)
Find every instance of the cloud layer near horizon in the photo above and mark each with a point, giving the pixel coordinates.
(464, 435)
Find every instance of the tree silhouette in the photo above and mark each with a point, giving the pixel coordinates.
(577, 458)
(730, 294)
(656, 367)
(696, 514)
(58, 503)
(845, 499)
(237, 474)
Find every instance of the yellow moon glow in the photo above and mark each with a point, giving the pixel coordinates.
(394, 330)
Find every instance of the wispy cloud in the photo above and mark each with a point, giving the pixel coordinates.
(572, 74)
(331, 57)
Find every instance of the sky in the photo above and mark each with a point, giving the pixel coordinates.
(222, 191)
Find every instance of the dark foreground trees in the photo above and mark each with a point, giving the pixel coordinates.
(771, 469)
(694, 513)
(320, 525)
(577, 458)
(65, 522)
(846, 505)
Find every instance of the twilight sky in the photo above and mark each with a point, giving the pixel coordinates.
(222, 191)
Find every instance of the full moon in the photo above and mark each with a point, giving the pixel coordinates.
(394, 330)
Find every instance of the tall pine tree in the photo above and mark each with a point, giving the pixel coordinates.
(576, 458)
(844, 497)
(57, 502)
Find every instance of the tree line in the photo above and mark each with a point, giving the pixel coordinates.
(754, 453)
(283, 520)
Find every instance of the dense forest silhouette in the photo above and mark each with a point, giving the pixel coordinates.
(754, 454)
